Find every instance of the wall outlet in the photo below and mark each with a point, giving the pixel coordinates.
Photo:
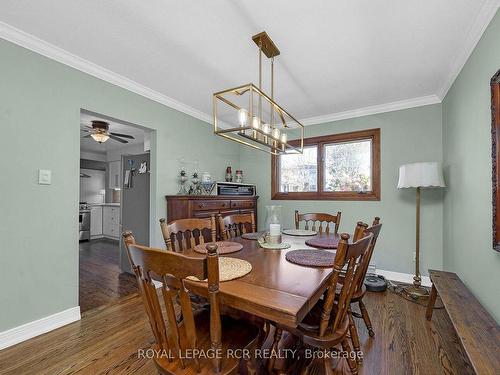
(414, 256)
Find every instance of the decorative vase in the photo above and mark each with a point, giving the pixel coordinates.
(229, 174)
(239, 176)
(182, 180)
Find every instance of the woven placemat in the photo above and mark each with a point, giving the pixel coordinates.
(223, 247)
(252, 236)
(325, 242)
(230, 269)
(312, 258)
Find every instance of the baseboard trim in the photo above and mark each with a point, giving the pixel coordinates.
(402, 277)
(38, 327)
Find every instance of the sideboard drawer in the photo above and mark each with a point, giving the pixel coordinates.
(211, 205)
(243, 204)
(205, 214)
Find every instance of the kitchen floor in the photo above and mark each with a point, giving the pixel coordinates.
(101, 280)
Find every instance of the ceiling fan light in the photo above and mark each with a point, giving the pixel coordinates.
(100, 137)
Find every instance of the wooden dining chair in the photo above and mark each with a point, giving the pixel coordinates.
(311, 219)
(327, 324)
(235, 225)
(207, 331)
(184, 234)
(362, 230)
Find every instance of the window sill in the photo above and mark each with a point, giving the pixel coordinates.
(348, 196)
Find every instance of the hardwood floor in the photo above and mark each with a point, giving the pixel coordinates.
(107, 339)
(101, 280)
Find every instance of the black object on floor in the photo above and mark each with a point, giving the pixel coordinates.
(375, 283)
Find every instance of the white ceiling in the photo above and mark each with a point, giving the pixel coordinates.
(338, 58)
(89, 145)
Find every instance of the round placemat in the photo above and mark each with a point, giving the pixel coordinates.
(278, 246)
(252, 236)
(223, 247)
(230, 269)
(299, 232)
(328, 242)
(313, 258)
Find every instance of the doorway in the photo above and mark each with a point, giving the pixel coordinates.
(115, 195)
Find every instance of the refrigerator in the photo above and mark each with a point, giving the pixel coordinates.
(135, 202)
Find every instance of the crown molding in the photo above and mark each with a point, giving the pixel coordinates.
(475, 33)
(372, 110)
(46, 49)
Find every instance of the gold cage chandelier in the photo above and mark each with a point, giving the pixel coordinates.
(247, 115)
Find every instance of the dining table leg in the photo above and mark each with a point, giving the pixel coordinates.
(274, 349)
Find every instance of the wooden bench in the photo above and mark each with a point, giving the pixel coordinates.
(478, 332)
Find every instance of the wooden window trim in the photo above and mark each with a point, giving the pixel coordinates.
(495, 156)
(374, 195)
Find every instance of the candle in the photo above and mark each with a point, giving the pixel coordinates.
(274, 229)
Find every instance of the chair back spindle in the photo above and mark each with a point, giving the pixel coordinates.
(318, 221)
(184, 234)
(365, 262)
(347, 264)
(232, 226)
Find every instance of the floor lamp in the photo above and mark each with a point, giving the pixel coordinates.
(419, 175)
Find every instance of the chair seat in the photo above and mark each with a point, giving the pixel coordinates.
(236, 334)
(308, 329)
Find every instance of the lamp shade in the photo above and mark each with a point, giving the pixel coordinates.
(424, 174)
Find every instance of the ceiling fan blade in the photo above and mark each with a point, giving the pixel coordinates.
(123, 135)
(85, 130)
(87, 136)
(118, 139)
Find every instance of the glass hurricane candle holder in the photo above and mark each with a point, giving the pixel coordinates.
(273, 223)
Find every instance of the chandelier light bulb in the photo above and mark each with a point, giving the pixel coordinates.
(242, 117)
(284, 138)
(256, 123)
(265, 128)
(276, 133)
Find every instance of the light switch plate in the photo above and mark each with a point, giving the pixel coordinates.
(44, 177)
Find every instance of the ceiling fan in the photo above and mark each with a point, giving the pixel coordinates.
(99, 131)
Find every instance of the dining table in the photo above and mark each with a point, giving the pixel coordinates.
(275, 289)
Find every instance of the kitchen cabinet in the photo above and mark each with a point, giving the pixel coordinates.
(115, 174)
(96, 221)
(111, 221)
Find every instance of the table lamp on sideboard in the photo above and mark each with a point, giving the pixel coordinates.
(419, 175)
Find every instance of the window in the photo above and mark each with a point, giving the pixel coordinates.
(299, 172)
(336, 167)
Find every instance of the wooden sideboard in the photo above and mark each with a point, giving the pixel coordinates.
(202, 206)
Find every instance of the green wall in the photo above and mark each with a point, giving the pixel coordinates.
(467, 163)
(40, 103)
(406, 136)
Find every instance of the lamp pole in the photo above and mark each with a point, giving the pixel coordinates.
(416, 290)
(416, 278)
